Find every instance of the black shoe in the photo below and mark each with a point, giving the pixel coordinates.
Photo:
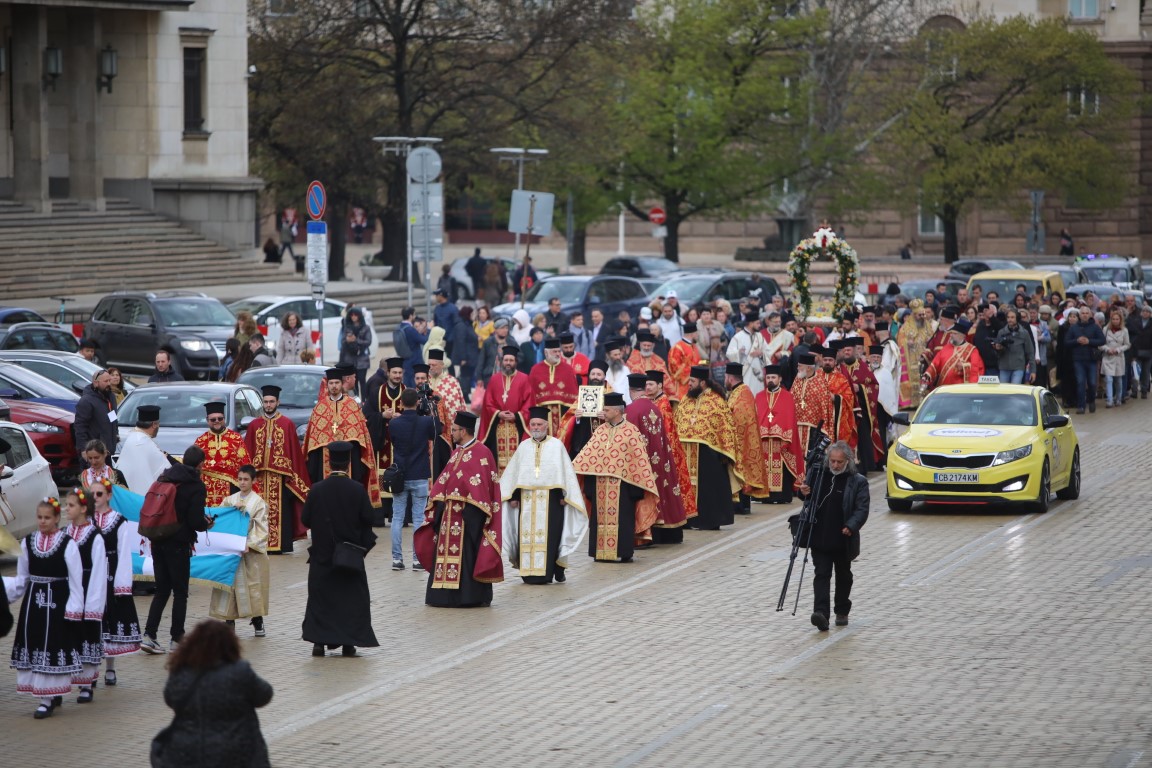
(110, 678)
(1092, 407)
(349, 651)
(820, 621)
(86, 696)
(317, 649)
(841, 619)
(43, 711)
(560, 577)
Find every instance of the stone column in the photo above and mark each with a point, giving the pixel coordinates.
(29, 107)
(85, 170)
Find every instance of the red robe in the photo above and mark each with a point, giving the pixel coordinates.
(861, 375)
(451, 401)
(554, 387)
(955, 365)
(342, 420)
(637, 363)
(505, 393)
(838, 384)
(680, 361)
(779, 437)
(645, 415)
(815, 403)
(469, 479)
(580, 365)
(224, 454)
(687, 492)
(280, 465)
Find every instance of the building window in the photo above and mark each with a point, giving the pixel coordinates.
(929, 224)
(194, 89)
(1083, 102)
(1084, 9)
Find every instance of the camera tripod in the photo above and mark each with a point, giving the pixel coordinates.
(806, 520)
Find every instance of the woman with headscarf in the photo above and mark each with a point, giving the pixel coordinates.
(521, 326)
(436, 341)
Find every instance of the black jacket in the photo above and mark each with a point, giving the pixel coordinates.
(164, 378)
(191, 497)
(91, 422)
(1140, 336)
(857, 499)
(215, 721)
(337, 509)
(411, 435)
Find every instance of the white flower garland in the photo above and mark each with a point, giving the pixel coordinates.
(823, 241)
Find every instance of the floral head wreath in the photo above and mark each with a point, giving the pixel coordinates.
(106, 483)
(80, 494)
(51, 501)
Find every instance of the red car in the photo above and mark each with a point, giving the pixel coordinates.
(51, 430)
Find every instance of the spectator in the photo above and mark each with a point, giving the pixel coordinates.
(1140, 336)
(581, 336)
(88, 349)
(522, 328)
(271, 252)
(1084, 338)
(287, 234)
(164, 372)
(495, 283)
(491, 351)
(172, 556)
(1015, 350)
(670, 324)
(906, 252)
(231, 348)
(95, 413)
(294, 339)
(241, 362)
(446, 282)
(356, 345)
(524, 277)
(1067, 246)
(117, 388)
(409, 342)
(1116, 344)
(483, 324)
(599, 335)
(411, 435)
(475, 268)
(215, 695)
(245, 326)
(532, 351)
(260, 355)
(555, 316)
(465, 352)
(445, 314)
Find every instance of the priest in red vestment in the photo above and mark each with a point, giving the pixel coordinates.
(870, 453)
(645, 416)
(957, 363)
(750, 464)
(281, 471)
(578, 360)
(779, 436)
(338, 418)
(644, 359)
(619, 486)
(464, 525)
(504, 417)
(553, 385)
(224, 454)
(683, 355)
(837, 383)
(381, 405)
(655, 392)
(816, 405)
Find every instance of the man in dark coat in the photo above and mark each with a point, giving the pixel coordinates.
(842, 500)
(96, 414)
(339, 612)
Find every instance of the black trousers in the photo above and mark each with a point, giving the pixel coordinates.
(824, 562)
(171, 562)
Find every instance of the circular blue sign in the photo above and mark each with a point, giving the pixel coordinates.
(317, 201)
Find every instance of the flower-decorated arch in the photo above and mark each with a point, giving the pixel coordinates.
(823, 242)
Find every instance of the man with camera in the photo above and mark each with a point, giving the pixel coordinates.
(1015, 350)
(840, 501)
(429, 404)
(412, 431)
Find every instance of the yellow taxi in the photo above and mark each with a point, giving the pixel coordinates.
(984, 443)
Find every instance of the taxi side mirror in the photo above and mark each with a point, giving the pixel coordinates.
(903, 418)
(1056, 422)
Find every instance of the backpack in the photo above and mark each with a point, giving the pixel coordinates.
(400, 343)
(158, 518)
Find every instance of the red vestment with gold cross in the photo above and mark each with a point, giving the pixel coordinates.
(468, 479)
(280, 466)
(816, 403)
(505, 393)
(451, 401)
(553, 387)
(955, 365)
(780, 437)
(861, 375)
(637, 363)
(645, 416)
(224, 454)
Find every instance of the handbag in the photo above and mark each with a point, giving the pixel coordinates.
(393, 478)
(347, 556)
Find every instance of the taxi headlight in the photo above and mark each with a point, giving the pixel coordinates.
(1004, 457)
(906, 453)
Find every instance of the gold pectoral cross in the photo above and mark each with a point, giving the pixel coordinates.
(771, 417)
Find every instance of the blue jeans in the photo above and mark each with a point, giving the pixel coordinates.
(1086, 380)
(418, 490)
(1011, 377)
(1114, 389)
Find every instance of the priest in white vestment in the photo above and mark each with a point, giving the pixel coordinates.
(544, 515)
(141, 460)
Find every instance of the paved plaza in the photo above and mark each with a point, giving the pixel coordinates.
(976, 639)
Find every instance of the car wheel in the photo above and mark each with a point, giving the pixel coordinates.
(900, 505)
(1072, 490)
(1044, 495)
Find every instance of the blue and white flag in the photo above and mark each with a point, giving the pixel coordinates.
(217, 553)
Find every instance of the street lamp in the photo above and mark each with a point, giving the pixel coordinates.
(403, 146)
(519, 155)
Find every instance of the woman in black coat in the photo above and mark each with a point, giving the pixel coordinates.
(465, 351)
(214, 694)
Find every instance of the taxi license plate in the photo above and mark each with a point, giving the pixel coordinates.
(956, 477)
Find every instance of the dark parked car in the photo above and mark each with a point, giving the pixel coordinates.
(130, 327)
(965, 268)
(640, 267)
(65, 368)
(608, 293)
(19, 383)
(51, 430)
(182, 410)
(12, 315)
(707, 287)
(299, 387)
(36, 335)
(915, 289)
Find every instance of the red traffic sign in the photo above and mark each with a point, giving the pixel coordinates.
(317, 201)
(657, 216)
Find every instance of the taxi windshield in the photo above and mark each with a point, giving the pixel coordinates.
(1017, 410)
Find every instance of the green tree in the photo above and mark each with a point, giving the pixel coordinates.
(1000, 107)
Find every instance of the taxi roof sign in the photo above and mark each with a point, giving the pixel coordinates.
(988, 380)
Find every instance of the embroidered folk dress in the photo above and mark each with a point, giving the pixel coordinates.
(94, 563)
(50, 577)
(121, 623)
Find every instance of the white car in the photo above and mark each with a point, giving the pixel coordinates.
(270, 310)
(25, 480)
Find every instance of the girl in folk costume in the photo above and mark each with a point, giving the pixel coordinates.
(50, 577)
(121, 632)
(80, 507)
(96, 454)
(248, 597)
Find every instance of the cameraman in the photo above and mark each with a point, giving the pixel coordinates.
(840, 509)
(1015, 350)
(412, 434)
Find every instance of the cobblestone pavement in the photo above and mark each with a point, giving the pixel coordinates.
(977, 639)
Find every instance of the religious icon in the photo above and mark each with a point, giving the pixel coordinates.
(590, 400)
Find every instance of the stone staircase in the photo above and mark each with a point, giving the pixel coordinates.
(77, 250)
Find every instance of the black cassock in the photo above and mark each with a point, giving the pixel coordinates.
(582, 430)
(357, 470)
(471, 593)
(378, 431)
(338, 610)
(555, 534)
(626, 529)
(713, 492)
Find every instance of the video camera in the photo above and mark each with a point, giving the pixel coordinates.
(818, 449)
(428, 400)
